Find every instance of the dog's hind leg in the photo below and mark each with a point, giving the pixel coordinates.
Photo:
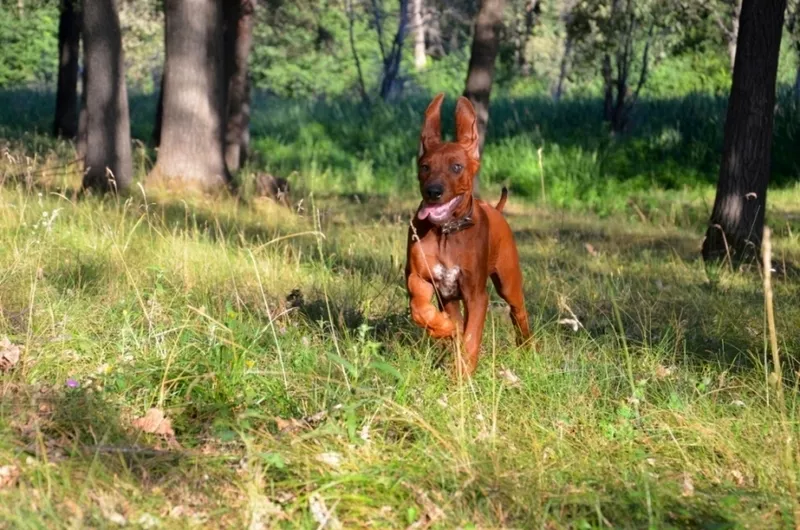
(507, 279)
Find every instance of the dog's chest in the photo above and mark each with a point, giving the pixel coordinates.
(446, 280)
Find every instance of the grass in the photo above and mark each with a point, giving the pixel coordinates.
(280, 348)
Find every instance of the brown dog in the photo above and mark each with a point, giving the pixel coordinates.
(457, 242)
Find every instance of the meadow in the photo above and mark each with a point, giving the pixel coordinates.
(300, 395)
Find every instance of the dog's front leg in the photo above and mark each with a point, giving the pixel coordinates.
(476, 304)
(424, 313)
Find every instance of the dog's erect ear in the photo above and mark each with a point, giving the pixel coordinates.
(467, 128)
(432, 126)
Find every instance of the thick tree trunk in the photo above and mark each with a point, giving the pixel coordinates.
(81, 147)
(191, 152)
(485, 44)
(69, 35)
(420, 57)
(159, 114)
(737, 220)
(239, 15)
(108, 132)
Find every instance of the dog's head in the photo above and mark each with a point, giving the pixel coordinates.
(446, 169)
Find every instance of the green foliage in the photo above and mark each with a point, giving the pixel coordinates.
(28, 45)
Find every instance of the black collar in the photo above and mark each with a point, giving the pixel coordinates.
(457, 225)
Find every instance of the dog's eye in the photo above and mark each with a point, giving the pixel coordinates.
(456, 168)
(424, 168)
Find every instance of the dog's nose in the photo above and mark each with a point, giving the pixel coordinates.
(434, 192)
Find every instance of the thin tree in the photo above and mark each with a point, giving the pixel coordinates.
(390, 59)
(737, 220)
(730, 27)
(238, 37)
(69, 35)
(480, 75)
(191, 152)
(418, 23)
(108, 165)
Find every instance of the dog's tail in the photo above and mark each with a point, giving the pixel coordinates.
(502, 202)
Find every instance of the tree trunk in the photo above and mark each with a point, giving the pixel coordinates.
(737, 220)
(191, 153)
(485, 44)
(391, 61)
(238, 38)
(734, 32)
(420, 57)
(608, 89)
(159, 114)
(81, 147)
(108, 132)
(562, 69)
(69, 34)
(797, 83)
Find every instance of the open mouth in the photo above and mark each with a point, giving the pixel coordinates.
(439, 212)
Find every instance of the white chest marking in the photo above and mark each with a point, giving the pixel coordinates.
(446, 280)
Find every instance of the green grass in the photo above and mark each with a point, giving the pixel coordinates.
(153, 302)
(656, 412)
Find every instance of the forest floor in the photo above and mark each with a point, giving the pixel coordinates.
(295, 390)
(175, 363)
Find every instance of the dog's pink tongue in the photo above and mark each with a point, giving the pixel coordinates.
(434, 210)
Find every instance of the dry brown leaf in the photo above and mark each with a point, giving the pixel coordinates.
(687, 487)
(431, 513)
(9, 354)
(738, 477)
(510, 377)
(155, 422)
(662, 372)
(290, 426)
(590, 249)
(8, 476)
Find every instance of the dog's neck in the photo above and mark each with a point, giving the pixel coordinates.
(460, 223)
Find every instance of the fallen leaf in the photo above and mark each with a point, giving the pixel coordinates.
(290, 426)
(9, 355)
(331, 458)
(148, 521)
(264, 513)
(155, 422)
(324, 517)
(431, 513)
(738, 477)
(8, 476)
(687, 487)
(510, 377)
(590, 249)
(574, 323)
(662, 372)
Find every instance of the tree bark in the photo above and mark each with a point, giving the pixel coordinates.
(159, 114)
(562, 69)
(108, 132)
(737, 220)
(239, 16)
(420, 57)
(191, 152)
(65, 124)
(480, 75)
